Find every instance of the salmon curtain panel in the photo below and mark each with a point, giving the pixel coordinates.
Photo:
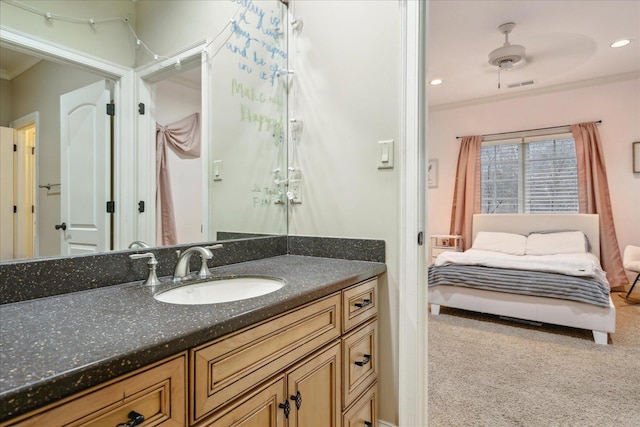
(466, 192)
(593, 197)
(184, 137)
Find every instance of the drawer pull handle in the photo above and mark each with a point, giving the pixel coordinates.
(364, 303)
(367, 359)
(298, 399)
(287, 408)
(368, 423)
(135, 419)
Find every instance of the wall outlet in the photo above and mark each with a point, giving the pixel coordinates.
(295, 191)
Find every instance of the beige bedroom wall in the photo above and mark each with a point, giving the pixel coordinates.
(5, 102)
(617, 104)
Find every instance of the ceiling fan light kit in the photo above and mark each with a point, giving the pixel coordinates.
(506, 56)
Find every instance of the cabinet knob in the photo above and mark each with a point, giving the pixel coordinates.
(135, 419)
(298, 399)
(364, 303)
(286, 407)
(367, 358)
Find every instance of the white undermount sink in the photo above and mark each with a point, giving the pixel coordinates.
(220, 290)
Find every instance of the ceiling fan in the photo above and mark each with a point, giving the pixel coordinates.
(508, 55)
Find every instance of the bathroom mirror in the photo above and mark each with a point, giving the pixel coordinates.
(233, 189)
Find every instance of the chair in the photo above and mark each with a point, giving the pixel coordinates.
(631, 261)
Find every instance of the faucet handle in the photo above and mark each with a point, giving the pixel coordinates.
(152, 279)
(145, 255)
(204, 268)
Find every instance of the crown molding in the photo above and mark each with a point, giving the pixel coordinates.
(538, 91)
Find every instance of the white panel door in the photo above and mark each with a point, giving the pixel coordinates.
(85, 170)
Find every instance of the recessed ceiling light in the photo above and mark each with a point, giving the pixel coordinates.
(620, 43)
(435, 82)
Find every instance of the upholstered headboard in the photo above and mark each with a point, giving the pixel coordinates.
(525, 224)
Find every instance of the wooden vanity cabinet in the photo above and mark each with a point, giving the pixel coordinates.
(157, 392)
(237, 363)
(306, 395)
(315, 365)
(360, 354)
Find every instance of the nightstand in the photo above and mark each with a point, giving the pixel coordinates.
(443, 243)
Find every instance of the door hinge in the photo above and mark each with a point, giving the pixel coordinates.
(33, 209)
(33, 151)
(111, 206)
(15, 147)
(111, 109)
(15, 209)
(141, 206)
(421, 238)
(141, 109)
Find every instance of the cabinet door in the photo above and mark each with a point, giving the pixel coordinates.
(258, 409)
(313, 388)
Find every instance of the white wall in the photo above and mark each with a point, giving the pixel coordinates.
(347, 93)
(617, 104)
(39, 89)
(175, 101)
(110, 41)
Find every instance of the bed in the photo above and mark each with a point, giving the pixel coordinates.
(599, 316)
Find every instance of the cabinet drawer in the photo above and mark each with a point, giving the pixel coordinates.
(360, 361)
(158, 393)
(364, 412)
(235, 363)
(260, 408)
(359, 303)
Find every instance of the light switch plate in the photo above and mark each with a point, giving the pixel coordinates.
(217, 170)
(385, 154)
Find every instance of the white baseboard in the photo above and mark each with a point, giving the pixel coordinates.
(384, 424)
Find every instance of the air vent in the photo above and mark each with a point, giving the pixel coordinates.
(526, 83)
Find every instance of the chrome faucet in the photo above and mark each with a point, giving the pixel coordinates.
(138, 244)
(181, 272)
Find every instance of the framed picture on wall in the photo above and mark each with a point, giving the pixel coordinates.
(636, 157)
(432, 173)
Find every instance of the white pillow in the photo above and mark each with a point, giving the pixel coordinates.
(566, 242)
(508, 243)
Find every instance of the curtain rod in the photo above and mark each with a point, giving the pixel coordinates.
(526, 130)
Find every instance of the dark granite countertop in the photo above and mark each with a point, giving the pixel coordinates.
(56, 346)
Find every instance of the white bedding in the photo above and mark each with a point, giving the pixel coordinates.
(578, 264)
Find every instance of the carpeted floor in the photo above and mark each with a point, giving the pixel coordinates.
(484, 371)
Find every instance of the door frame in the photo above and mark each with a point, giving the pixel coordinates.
(32, 119)
(146, 75)
(412, 328)
(124, 159)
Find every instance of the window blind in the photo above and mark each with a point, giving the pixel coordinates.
(536, 174)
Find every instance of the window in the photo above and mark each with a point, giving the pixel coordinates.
(529, 175)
